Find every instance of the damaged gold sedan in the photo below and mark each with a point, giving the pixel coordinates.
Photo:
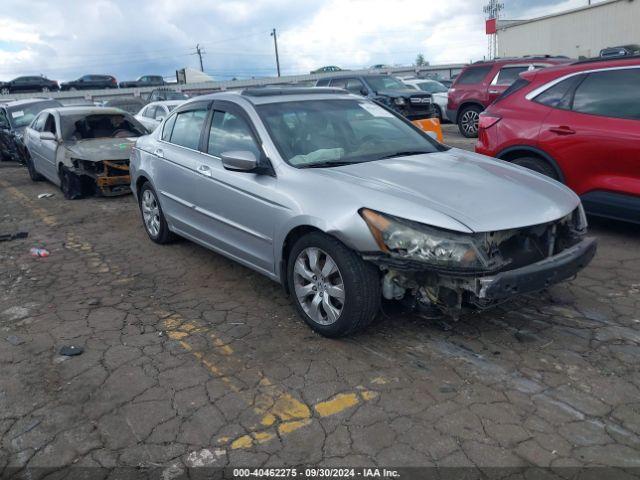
(83, 150)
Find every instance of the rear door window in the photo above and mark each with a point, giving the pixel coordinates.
(188, 127)
(613, 93)
(559, 95)
(168, 127)
(508, 75)
(474, 75)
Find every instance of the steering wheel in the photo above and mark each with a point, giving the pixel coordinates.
(118, 133)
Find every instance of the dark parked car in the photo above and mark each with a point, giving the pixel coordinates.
(164, 94)
(144, 81)
(621, 51)
(480, 83)
(387, 90)
(327, 69)
(28, 84)
(14, 118)
(90, 82)
(130, 105)
(578, 124)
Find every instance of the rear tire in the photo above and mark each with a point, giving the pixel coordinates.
(347, 297)
(152, 216)
(468, 121)
(537, 165)
(33, 173)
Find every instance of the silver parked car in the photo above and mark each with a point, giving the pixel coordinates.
(83, 150)
(344, 202)
(152, 114)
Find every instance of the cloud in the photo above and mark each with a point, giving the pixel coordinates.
(129, 39)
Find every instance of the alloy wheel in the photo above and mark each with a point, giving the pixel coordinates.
(318, 286)
(45, 89)
(469, 122)
(150, 213)
(5, 91)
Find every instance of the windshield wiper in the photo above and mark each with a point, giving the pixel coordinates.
(405, 153)
(328, 163)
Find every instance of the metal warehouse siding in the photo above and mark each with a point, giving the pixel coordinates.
(579, 32)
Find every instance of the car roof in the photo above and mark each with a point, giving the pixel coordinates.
(556, 71)
(525, 59)
(71, 110)
(262, 95)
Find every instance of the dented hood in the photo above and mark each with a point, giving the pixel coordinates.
(99, 149)
(478, 193)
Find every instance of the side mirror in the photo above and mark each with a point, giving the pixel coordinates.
(47, 136)
(364, 92)
(239, 161)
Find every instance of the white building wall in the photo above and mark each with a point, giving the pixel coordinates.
(582, 32)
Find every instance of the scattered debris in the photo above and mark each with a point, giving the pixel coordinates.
(39, 252)
(15, 340)
(447, 388)
(71, 350)
(5, 237)
(46, 195)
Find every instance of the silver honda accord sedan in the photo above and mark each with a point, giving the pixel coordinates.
(345, 203)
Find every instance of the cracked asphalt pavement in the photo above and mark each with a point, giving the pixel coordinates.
(193, 360)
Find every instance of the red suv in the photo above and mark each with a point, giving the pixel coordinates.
(579, 124)
(481, 83)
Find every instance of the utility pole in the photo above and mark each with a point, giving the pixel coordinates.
(199, 52)
(275, 44)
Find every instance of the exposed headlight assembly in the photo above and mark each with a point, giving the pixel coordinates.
(412, 241)
(399, 101)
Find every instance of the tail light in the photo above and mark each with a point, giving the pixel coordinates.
(113, 80)
(487, 120)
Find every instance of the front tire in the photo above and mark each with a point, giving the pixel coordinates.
(5, 91)
(468, 121)
(334, 291)
(152, 217)
(70, 184)
(33, 173)
(537, 165)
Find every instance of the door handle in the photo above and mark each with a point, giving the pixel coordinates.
(159, 153)
(562, 130)
(204, 170)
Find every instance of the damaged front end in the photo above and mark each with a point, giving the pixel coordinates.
(451, 271)
(106, 177)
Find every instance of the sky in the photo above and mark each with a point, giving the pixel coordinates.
(130, 38)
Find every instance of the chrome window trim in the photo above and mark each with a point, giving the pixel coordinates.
(543, 88)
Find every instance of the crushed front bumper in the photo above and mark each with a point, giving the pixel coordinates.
(539, 275)
(115, 179)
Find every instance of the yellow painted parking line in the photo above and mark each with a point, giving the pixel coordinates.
(280, 413)
(40, 212)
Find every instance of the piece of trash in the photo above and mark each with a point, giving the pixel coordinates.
(71, 350)
(39, 252)
(15, 340)
(5, 237)
(45, 195)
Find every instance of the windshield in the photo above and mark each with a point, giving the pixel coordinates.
(385, 83)
(174, 96)
(22, 115)
(433, 87)
(100, 125)
(323, 132)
